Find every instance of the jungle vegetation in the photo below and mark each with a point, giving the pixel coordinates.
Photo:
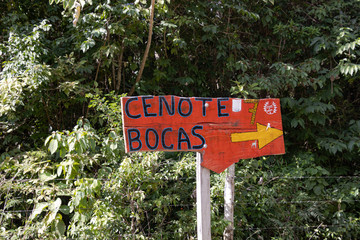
(65, 64)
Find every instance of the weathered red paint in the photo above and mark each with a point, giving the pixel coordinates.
(207, 125)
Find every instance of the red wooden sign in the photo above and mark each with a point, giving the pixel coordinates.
(224, 129)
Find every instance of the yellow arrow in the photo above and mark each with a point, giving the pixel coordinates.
(263, 134)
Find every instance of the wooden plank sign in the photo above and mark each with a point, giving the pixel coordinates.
(223, 129)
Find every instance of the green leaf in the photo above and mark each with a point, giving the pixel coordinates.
(133, 66)
(351, 145)
(62, 152)
(53, 146)
(294, 123)
(92, 144)
(312, 171)
(86, 45)
(113, 146)
(310, 185)
(71, 3)
(60, 227)
(82, 3)
(65, 209)
(185, 80)
(318, 189)
(167, 24)
(46, 176)
(47, 140)
(55, 206)
(58, 137)
(38, 209)
(59, 170)
(113, 134)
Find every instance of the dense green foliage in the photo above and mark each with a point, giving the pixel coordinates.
(65, 65)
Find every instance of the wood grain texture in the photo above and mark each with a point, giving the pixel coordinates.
(229, 196)
(224, 130)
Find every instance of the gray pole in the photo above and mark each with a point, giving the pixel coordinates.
(229, 202)
(203, 200)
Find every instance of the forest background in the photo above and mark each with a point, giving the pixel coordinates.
(66, 63)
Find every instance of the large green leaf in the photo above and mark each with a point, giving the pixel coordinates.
(53, 146)
(38, 209)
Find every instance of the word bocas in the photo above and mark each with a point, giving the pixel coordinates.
(223, 129)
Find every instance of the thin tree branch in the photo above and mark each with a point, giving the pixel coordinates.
(120, 67)
(142, 66)
(113, 78)
(47, 112)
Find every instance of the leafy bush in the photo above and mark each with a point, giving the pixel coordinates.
(65, 65)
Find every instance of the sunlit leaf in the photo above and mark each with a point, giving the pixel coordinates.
(53, 146)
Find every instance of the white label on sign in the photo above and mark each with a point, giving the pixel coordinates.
(236, 105)
(270, 108)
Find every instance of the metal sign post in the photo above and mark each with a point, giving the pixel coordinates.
(203, 208)
(229, 202)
